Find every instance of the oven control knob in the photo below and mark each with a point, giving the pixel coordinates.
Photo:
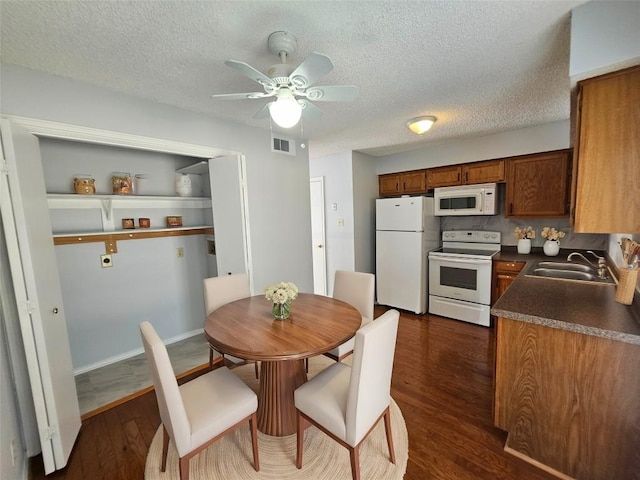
(494, 235)
(486, 235)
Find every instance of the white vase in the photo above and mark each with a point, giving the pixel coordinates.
(183, 185)
(551, 248)
(524, 246)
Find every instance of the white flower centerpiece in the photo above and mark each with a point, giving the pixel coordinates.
(524, 236)
(281, 294)
(551, 247)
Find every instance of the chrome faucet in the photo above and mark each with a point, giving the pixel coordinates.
(601, 268)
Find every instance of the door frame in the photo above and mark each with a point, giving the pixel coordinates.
(319, 289)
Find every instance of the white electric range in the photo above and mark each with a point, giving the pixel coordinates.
(460, 275)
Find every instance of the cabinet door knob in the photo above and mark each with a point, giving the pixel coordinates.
(319, 245)
(55, 310)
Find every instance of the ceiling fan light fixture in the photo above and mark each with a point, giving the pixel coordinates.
(420, 125)
(285, 111)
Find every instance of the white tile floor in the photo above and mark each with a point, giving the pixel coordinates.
(111, 383)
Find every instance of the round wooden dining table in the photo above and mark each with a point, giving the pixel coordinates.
(246, 329)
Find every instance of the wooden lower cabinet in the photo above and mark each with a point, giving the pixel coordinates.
(569, 401)
(504, 273)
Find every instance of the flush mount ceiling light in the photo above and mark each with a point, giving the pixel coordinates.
(420, 125)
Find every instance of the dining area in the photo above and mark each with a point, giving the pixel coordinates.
(298, 386)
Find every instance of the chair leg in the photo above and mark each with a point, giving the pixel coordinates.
(257, 371)
(387, 429)
(184, 468)
(253, 422)
(355, 462)
(306, 364)
(210, 359)
(165, 448)
(299, 439)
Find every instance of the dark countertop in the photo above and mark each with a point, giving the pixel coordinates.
(575, 306)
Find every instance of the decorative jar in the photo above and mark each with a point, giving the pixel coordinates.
(84, 185)
(551, 248)
(121, 183)
(183, 185)
(281, 311)
(524, 246)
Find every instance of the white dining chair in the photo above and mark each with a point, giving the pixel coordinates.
(357, 289)
(219, 291)
(347, 402)
(201, 411)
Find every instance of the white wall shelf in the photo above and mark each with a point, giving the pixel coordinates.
(199, 168)
(107, 203)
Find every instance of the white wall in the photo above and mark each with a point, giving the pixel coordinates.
(605, 36)
(277, 184)
(365, 192)
(539, 138)
(337, 171)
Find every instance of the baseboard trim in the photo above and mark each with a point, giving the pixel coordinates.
(133, 353)
(535, 462)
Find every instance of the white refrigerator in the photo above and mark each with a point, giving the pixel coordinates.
(406, 231)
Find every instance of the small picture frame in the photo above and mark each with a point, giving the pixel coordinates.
(144, 222)
(128, 223)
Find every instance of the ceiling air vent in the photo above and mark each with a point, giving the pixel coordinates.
(283, 145)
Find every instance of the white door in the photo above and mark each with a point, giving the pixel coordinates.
(34, 273)
(401, 214)
(401, 276)
(317, 236)
(230, 218)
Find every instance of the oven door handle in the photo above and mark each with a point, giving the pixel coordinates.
(468, 261)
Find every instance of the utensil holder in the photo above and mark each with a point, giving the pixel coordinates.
(626, 285)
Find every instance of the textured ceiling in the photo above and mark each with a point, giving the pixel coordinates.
(480, 67)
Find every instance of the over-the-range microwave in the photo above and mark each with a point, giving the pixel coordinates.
(477, 199)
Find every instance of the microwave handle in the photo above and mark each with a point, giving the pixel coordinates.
(468, 261)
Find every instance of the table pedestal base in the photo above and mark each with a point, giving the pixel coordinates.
(276, 408)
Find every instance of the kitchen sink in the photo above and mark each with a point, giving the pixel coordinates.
(565, 266)
(568, 271)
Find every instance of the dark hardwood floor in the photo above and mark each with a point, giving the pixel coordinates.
(442, 381)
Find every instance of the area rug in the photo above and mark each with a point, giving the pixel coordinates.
(230, 458)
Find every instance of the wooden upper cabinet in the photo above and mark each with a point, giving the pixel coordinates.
(537, 185)
(402, 183)
(389, 184)
(491, 171)
(606, 184)
(444, 176)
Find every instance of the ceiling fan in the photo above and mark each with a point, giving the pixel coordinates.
(291, 87)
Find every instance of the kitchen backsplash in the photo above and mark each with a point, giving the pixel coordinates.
(497, 223)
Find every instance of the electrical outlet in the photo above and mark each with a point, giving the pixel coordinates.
(341, 222)
(180, 252)
(105, 261)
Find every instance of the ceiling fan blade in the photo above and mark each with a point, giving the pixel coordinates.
(310, 70)
(241, 96)
(336, 93)
(249, 71)
(309, 110)
(263, 112)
